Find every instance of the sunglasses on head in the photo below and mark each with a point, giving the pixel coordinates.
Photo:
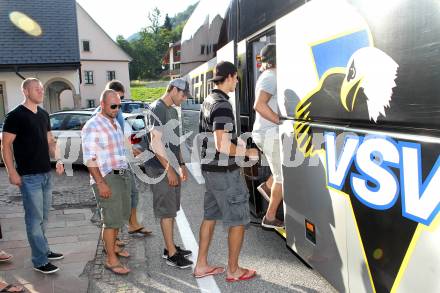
(114, 106)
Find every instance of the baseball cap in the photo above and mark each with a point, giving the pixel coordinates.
(222, 70)
(181, 84)
(268, 53)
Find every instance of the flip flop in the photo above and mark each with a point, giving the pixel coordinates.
(116, 266)
(247, 275)
(10, 286)
(8, 257)
(214, 271)
(142, 231)
(119, 253)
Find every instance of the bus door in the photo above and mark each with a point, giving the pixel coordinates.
(260, 172)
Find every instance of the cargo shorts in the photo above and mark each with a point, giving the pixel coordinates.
(226, 198)
(166, 198)
(115, 210)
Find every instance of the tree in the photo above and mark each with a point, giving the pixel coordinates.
(167, 23)
(154, 19)
(148, 50)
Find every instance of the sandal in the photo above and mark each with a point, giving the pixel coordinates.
(142, 231)
(120, 253)
(119, 242)
(4, 256)
(212, 272)
(116, 266)
(8, 288)
(247, 275)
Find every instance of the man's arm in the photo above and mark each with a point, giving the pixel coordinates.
(261, 105)
(158, 148)
(8, 158)
(223, 145)
(54, 152)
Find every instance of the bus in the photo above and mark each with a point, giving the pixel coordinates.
(359, 90)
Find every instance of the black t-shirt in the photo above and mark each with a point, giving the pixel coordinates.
(31, 149)
(216, 114)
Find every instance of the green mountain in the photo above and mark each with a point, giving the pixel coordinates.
(179, 19)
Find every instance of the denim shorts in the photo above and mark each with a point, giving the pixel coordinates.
(226, 198)
(115, 210)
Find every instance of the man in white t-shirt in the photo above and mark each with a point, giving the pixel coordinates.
(265, 133)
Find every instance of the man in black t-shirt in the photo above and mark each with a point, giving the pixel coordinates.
(27, 138)
(226, 196)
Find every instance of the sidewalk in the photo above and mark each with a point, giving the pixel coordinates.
(69, 232)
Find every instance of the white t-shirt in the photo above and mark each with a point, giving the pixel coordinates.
(268, 83)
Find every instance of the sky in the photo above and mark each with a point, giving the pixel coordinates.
(127, 17)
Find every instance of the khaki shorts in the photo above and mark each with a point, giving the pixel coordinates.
(270, 146)
(226, 198)
(115, 210)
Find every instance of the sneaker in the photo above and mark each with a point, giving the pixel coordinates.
(178, 260)
(47, 269)
(55, 256)
(183, 252)
(275, 223)
(264, 190)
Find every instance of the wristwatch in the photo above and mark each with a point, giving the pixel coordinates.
(181, 163)
(60, 162)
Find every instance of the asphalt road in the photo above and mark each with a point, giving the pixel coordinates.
(279, 270)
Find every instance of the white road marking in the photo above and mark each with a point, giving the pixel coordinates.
(195, 170)
(206, 284)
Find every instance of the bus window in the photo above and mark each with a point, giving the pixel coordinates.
(202, 88)
(209, 84)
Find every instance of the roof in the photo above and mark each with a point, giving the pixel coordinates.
(116, 45)
(56, 46)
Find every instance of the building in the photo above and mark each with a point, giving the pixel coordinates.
(39, 39)
(59, 43)
(101, 60)
(171, 60)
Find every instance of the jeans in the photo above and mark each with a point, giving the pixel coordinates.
(36, 190)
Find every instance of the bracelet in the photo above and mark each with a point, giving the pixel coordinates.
(60, 162)
(181, 164)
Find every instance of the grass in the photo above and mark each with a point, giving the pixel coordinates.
(146, 94)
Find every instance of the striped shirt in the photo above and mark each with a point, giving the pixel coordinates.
(103, 144)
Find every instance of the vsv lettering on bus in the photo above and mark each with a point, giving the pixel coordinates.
(381, 169)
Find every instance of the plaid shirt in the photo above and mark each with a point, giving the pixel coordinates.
(104, 144)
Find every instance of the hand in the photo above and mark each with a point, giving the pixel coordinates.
(104, 190)
(253, 154)
(59, 168)
(136, 152)
(15, 179)
(183, 173)
(172, 177)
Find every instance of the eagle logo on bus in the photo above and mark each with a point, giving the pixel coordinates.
(362, 90)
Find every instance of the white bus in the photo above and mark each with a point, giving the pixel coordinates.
(359, 86)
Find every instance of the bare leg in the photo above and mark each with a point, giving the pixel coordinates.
(269, 182)
(133, 221)
(205, 237)
(275, 200)
(235, 241)
(167, 225)
(109, 237)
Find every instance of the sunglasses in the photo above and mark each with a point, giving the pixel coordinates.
(114, 106)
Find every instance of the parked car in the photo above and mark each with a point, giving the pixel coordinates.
(130, 106)
(66, 128)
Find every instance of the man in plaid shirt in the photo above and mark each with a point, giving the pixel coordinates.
(103, 146)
